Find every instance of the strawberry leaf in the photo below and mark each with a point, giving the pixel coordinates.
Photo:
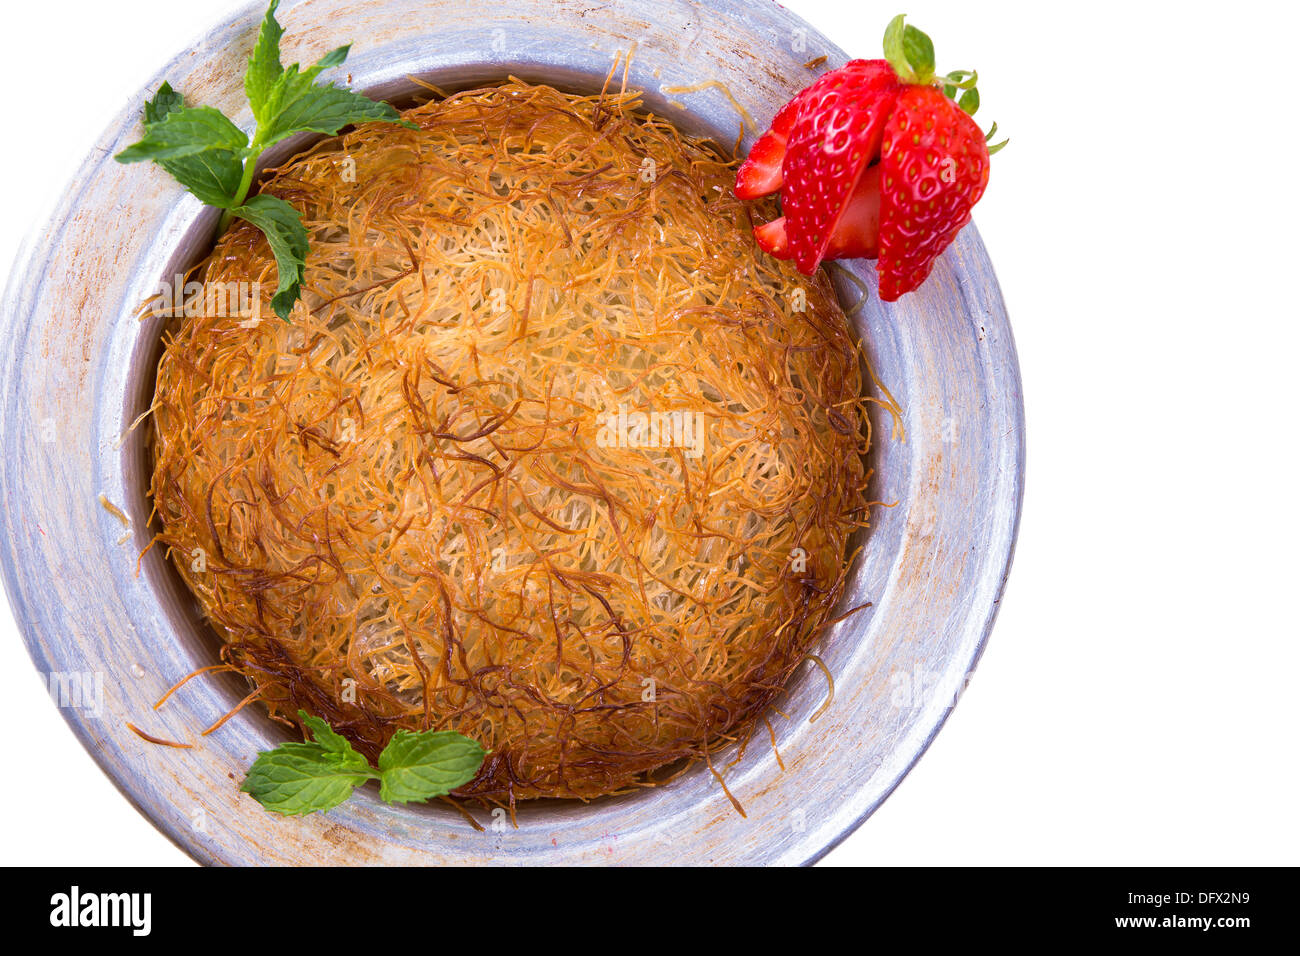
(909, 51)
(963, 79)
(988, 138)
(959, 80)
(920, 53)
(895, 50)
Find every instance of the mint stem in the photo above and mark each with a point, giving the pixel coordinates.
(245, 184)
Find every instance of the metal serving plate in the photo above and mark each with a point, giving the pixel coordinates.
(76, 367)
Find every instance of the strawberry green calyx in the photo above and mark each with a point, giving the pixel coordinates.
(911, 53)
(993, 130)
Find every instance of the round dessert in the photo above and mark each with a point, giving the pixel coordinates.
(550, 453)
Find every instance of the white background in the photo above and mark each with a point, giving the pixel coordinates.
(1137, 700)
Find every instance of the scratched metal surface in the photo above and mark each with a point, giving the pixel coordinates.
(76, 368)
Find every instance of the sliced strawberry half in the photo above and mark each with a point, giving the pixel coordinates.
(856, 234)
(772, 238)
(935, 164)
(878, 159)
(760, 174)
(835, 138)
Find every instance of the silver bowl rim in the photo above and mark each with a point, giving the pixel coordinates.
(38, 253)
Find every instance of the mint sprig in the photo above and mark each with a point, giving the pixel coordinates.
(429, 764)
(297, 778)
(319, 774)
(211, 174)
(214, 159)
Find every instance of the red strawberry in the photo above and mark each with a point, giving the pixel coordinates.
(760, 173)
(936, 167)
(875, 159)
(773, 240)
(855, 234)
(836, 135)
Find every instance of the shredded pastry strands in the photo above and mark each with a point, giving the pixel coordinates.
(550, 455)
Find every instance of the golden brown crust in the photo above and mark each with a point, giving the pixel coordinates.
(414, 485)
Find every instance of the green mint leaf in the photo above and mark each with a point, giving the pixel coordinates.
(292, 84)
(187, 131)
(165, 101)
(425, 765)
(319, 774)
(284, 230)
(264, 65)
(297, 778)
(306, 108)
(209, 174)
(212, 158)
(325, 735)
(212, 176)
(335, 57)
